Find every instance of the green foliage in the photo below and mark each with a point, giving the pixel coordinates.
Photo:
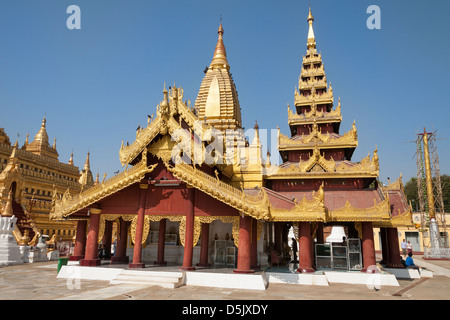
(411, 192)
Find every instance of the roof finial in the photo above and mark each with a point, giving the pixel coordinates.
(220, 55)
(311, 38)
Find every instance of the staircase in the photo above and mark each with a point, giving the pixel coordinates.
(159, 278)
(22, 219)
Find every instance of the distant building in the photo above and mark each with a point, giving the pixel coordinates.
(30, 177)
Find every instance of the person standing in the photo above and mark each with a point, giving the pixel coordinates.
(403, 247)
(409, 247)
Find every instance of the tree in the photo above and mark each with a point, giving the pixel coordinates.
(412, 195)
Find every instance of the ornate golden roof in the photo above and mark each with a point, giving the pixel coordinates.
(40, 144)
(4, 137)
(324, 141)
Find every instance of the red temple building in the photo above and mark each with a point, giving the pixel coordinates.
(190, 197)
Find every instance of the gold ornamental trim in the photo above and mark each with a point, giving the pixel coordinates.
(303, 211)
(315, 115)
(304, 142)
(256, 206)
(401, 220)
(69, 204)
(225, 219)
(378, 212)
(317, 165)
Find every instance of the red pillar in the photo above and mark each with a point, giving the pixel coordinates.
(278, 241)
(204, 246)
(107, 238)
(91, 256)
(368, 246)
(189, 234)
(137, 253)
(384, 246)
(80, 241)
(120, 255)
(254, 245)
(319, 233)
(394, 249)
(305, 252)
(244, 250)
(161, 243)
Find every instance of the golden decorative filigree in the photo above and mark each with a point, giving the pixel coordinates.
(305, 210)
(401, 220)
(349, 139)
(69, 204)
(225, 219)
(378, 212)
(254, 206)
(365, 165)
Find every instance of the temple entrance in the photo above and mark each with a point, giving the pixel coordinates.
(222, 250)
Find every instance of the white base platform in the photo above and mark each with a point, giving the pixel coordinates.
(312, 279)
(409, 273)
(227, 280)
(369, 279)
(173, 279)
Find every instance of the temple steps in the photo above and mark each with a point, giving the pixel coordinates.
(163, 279)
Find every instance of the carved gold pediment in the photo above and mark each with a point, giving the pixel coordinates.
(377, 212)
(304, 210)
(349, 139)
(401, 220)
(69, 204)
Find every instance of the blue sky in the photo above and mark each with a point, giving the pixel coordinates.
(97, 84)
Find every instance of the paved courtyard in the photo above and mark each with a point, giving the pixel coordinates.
(38, 282)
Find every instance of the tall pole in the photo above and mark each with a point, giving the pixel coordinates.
(434, 228)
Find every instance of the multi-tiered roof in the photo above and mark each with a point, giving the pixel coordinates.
(316, 146)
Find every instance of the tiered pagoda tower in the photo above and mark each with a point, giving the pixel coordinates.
(317, 154)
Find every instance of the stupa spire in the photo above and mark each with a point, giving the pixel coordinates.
(311, 38)
(220, 54)
(217, 101)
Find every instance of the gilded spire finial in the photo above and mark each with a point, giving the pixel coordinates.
(71, 159)
(311, 38)
(87, 164)
(220, 54)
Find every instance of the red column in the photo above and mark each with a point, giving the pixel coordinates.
(384, 246)
(91, 256)
(189, 233)
(106, 241)
(394, 249)
(244, 249)
(137, 253)
(278, 241)
(120, 255)
(204, 246)
(80, 241)
(319, 233)
(368, 246)
(161, 243)
(254, 245)
(305, 252)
